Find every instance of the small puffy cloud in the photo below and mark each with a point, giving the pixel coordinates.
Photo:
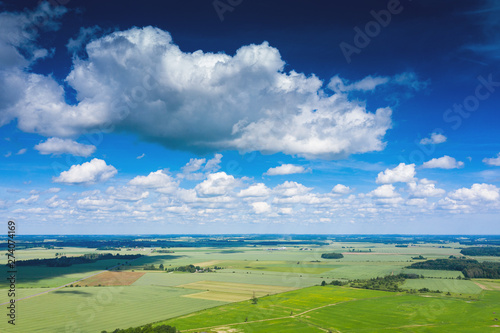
(403, 173)
(213, 164)
(477, 192)
(216, 184)
(140, 156)
(341, 189)
(257, 190)
(419, 202)
(434, 139)
(261, 207)
(424, 189)
(445, 162)
(57, 146)
(53, 190)
(494, 161)
(285, 169)
(28, 201)
(126, 193)
(8, 154)
(87, 173)
(75, 45)
(289, 189)
(159, 180)
(22, 151)
(384, 191)
(193, 165)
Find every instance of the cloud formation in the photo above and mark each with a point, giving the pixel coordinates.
(160, 93)
(403, 173)
(434, 139)
(91, 172)
(56, 146)
(494, 161)
(445, 162)
(285, 169)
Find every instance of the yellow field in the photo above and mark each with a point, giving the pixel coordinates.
(208, 263)
(487, 284)
(231, 292)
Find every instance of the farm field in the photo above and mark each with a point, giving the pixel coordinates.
(348, 310)
(291, 276)
(93, 309)
(444, 285)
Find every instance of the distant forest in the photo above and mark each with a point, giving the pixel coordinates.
(469, 267)
(482, 251)
(68, 261)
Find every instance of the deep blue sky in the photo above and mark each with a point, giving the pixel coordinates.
(428, 58)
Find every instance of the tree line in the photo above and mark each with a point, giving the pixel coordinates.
(470, 268)
(68, 261)
(481, 251)
(146, 329)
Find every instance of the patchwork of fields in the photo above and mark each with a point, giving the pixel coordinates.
(106, 300)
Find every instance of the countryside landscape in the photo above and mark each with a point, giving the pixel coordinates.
(255, 283)
(244, 166)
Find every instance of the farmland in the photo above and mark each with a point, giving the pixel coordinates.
(286, 280)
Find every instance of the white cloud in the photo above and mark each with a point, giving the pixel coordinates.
(22, 151)
(27, 201)
(494, 161)
(403, 173)
(435, 138)
(290, 189)
(8, 154)
(257, 190)
(216, 184)
(140, 156)
(84, 36)
(341, 189)
(261, 207)
(285, 169)
(477, 192)
(87, 173)
(193, 165)
(384, 191)
(159, 180)
(370, 83)
(259, 106)
(126, 193)
(424, 189)
(445, 162)
(57, 146)
(213, 164)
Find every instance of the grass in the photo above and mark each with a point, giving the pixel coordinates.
(444, 285)
(231, 292)
(348, 310)
(93, 309)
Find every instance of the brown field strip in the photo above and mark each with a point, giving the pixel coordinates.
(111, 279)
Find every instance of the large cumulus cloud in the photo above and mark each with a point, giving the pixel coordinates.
(141, 82)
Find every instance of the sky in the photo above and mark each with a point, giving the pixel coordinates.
(238, 116)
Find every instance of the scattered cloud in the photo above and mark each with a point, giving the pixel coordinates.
(445, 162)
(22, 151)
(477, 192)
(494, 161)
(256, 190)
(424, 188)
(285, 169)
(159, 180)
(434, 139)
(261, 207)
(91, 172)
(403, 173)
(27, 201)
(57, 146)
(141, 156)
(8, 154)
(341, 189)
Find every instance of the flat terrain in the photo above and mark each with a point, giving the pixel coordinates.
(132, 296)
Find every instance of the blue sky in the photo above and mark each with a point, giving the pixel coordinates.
(250, 117)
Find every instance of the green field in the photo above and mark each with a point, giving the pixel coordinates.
(93, 309)
(340, 309)
(444, 285)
